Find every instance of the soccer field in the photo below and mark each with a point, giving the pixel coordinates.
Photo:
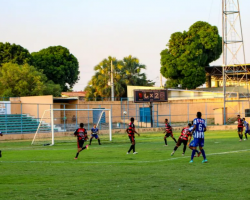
(107, 172)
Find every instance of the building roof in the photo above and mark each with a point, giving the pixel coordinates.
(64, 99)
(74, 94)
(217, 71)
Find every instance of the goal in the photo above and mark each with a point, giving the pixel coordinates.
(58, 125)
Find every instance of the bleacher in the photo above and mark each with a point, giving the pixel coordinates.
(20, 123)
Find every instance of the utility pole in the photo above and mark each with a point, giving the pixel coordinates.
(112, 83)
(161, 80)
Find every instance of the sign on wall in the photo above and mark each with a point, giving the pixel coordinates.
(142, 96)
(5, 107)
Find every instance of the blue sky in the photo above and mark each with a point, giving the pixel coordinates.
(95, 29)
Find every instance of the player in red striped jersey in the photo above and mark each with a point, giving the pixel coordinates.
(184, 138)
(81, 134)
(131, 134)
(240, 127)
(169, 132)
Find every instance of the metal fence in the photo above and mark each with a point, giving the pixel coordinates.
(25, 117)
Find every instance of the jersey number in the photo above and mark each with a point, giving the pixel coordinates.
(200, 127)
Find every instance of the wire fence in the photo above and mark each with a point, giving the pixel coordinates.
(16, 118)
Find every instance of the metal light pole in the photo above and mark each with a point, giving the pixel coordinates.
(112, 83)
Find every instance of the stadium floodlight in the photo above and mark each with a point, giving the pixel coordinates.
(52, 121)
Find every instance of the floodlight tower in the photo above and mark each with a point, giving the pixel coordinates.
(235, 72)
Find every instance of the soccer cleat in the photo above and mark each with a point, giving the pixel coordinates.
(199, 154)
(165, 145)
(172, 153)
(100, 144)
(135, 153)
(128, 152)
(240, 140)
(89, 144)
(191, 161)
(87, 147)
(204, 161)
(245, 139)
(183, 154)
(75, 158)
(0, 154)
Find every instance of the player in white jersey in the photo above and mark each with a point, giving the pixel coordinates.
(191, 144)
(198, 134)
(246, 125)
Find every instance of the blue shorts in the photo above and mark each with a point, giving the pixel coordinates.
(191, 144)
(247, 131)
(198, 142)
(95, 136)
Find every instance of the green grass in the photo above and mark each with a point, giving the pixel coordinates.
(106, 172)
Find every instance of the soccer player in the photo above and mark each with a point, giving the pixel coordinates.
(240, 127)
(198, 134)
(184, 138)
(191, 144)
(246, 125)
(94, 134)
(0, 150)
(131, 134)
(169, 132)
(82, 136)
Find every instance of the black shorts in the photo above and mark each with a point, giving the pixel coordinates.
(80, 143)
(132, 138)
(240, 129)
(180, 141)
(169, 134)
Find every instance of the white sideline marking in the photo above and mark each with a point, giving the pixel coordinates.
(122, 162)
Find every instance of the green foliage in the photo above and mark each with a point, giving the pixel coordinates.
(24, 80)
(58, 64)
(13, 53)
(50, 172)
(52, 89)
(126, 72)
(188, 53)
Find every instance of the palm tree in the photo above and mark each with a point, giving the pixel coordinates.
(126, 72)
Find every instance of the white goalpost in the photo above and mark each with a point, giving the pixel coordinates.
(57, 120)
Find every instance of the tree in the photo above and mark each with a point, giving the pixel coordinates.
(188, 53)
(132, 72)
(52, 89)
(58, 64)
(126, 72)
(25, 80)
(13, 53)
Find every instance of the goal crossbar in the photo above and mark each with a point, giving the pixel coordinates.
(52, 121)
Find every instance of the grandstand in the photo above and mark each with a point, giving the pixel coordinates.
(20, 123)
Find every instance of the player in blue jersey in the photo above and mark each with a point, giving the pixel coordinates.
(0, 150)
(198, 134)
(246, 125)
(191, 144)
(94, 134)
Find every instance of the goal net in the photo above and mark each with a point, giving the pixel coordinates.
(58, 125)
